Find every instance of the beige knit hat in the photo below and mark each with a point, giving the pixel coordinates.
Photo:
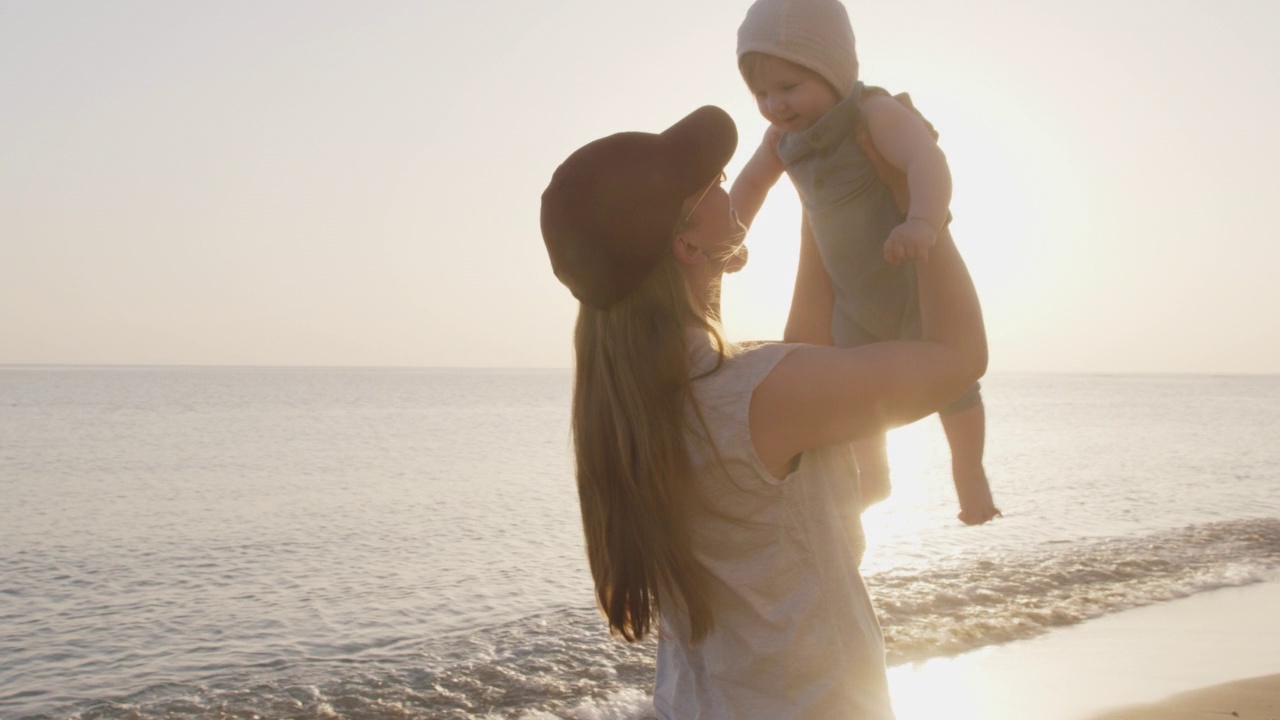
(814, 34)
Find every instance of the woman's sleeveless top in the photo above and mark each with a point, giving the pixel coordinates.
(795, 635)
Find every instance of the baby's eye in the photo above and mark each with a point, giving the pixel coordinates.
(789, 87)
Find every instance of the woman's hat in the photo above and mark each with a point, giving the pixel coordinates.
(612, 207)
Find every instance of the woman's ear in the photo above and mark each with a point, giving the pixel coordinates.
(686, 252)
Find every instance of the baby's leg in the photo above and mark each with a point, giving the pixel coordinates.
(965, 426)
(873, 469)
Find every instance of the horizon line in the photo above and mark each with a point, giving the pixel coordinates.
(559, 368)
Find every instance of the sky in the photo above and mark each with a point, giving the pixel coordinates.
(350, 184)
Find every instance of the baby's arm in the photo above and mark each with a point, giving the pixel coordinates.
(758, 176)
(813, 300)
(900, 135)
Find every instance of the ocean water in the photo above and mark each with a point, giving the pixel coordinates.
(371, 543)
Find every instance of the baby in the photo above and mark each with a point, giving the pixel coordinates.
(875, 189)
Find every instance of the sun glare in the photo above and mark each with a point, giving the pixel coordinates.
(757, 299)
(934, 689)
(921, 472)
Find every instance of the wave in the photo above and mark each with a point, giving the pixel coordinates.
(963, 605)
(563, 664)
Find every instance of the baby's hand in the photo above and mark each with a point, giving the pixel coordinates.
(911, 240)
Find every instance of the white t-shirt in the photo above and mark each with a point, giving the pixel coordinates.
(795, 635)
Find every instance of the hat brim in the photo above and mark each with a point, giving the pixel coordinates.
(703, 142)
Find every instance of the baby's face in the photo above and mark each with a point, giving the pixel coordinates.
(788, 95)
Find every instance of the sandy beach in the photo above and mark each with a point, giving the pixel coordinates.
(1253, 699)
(1140, 664)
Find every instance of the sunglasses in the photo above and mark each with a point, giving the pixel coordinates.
(718, 180)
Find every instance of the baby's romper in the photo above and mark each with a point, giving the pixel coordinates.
(851, 213)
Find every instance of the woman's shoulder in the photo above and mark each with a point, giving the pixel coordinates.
(740, 369)
(751, 353)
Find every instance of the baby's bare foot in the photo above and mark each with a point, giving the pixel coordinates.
(971, 517)
(976, 505)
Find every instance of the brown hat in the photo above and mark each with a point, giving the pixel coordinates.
(612, 206)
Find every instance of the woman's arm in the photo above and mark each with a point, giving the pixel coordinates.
(819, 396)
(812, 300)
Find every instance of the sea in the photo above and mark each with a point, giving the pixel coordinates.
(190, 542)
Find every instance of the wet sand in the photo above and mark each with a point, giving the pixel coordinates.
(1253, 699)
(1213, 640)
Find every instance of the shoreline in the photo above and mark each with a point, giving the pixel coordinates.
(1206, 649)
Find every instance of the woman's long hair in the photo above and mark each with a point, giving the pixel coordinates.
(630, 403)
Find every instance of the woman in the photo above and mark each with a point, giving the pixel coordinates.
(714, 480)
